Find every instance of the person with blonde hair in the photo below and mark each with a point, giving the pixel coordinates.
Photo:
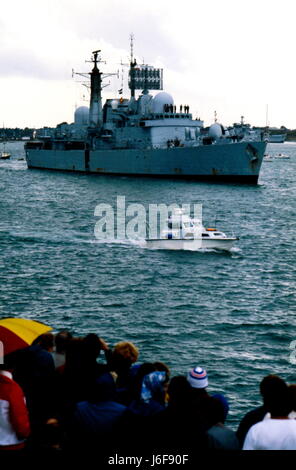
(124, 354)
(127, 351)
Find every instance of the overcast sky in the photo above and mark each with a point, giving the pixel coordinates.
(232, 56)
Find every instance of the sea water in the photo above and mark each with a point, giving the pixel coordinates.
(232, 313)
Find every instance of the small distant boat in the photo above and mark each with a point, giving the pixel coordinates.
(183, 232)
(277, 138)
(282, 156)
(5, 155)
(267, 158)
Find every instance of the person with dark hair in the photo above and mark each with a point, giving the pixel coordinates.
(94, 420)
(171, 429)
(14, 416)
(52, 436)
(35, 373)
(81, 361)
(45, 341)
(162, 367)
(220, 437)
(179, 392)
(277, 432)
(267, 387)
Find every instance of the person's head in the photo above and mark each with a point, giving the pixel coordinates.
(45, 341)
(104, 389)
(270, 385)
(137, 373)
(224, 403)
(153, 387)
(162, 367)
(124, 354)
(51, 435)
(74, 355)
(198, 378)
(276, 398)
(92, 346)
(179, 391)
(61, 341)
(213, 411)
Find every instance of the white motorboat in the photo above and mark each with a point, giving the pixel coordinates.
(267, 158)
(183, 232)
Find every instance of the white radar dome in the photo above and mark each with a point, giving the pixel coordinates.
(215, 131)
(160, 100)
(114, 104)
(81, 116)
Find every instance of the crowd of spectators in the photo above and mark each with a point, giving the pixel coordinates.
(57, 394)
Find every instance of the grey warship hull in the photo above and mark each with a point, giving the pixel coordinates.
(237, 162)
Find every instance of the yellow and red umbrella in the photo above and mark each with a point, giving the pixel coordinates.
(18, 333)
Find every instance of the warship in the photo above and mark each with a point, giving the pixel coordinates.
(147, 135)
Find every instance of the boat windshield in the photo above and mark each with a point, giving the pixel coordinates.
(175, 225)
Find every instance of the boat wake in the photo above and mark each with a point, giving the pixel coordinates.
(123, 242)
(48, 238)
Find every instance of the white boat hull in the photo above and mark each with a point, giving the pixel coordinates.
(193, 244)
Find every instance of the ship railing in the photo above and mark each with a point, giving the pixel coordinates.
(171, 116)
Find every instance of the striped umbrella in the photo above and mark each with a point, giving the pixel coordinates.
(18, 333)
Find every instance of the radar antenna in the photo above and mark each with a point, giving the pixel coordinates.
(95, 57)
(132, 47)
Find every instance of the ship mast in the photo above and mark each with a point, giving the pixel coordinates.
(95, 108)
(133, 64)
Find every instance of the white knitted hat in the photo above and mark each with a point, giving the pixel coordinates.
(198, 378)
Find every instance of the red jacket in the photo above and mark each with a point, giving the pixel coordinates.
(14, 417)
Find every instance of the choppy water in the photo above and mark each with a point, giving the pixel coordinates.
(233, 313)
